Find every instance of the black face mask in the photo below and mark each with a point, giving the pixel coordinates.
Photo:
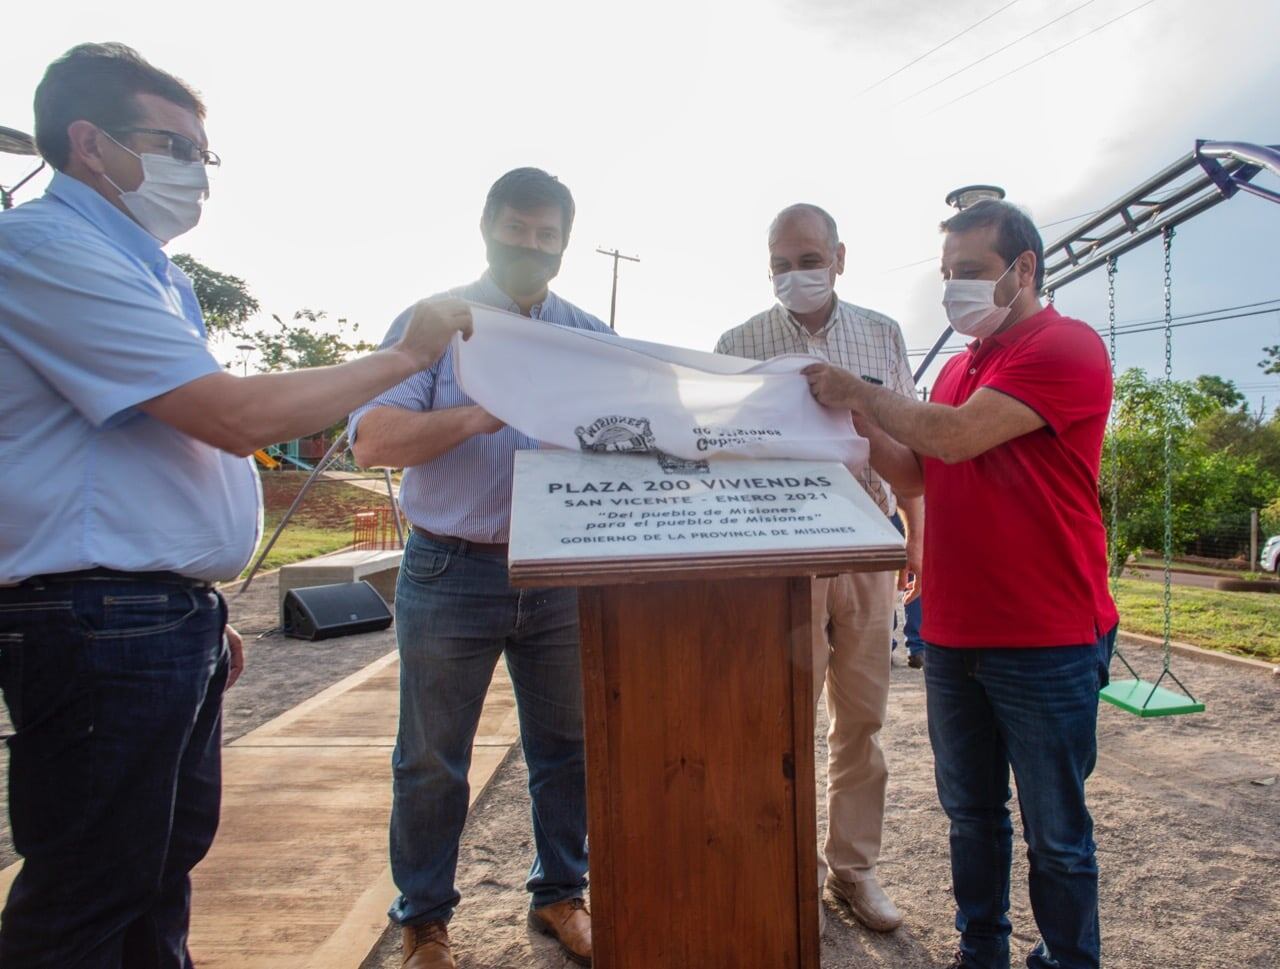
(520, 270)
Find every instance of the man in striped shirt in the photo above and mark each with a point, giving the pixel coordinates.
(456, 612)
(853, 613)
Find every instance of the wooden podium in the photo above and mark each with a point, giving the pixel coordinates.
(697, 674)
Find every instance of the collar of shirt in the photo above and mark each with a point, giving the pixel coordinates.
(802, 331)
(1016, 333)
(110, 221)
(486, 290)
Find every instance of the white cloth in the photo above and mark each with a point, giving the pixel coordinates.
(596, 392)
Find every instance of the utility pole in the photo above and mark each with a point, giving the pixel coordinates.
(613, 299)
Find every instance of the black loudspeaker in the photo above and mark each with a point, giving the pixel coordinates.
(326, 611)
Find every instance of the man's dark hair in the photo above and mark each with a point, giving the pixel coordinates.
(1016, 232)
(99, 83)
(529, 188)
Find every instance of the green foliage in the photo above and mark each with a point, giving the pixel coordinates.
(1271, 364)
(298, 345)
(1269, 518)
(1224, 460)
(225, 300)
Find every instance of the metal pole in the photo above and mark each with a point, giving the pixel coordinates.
(395, 506)
(302, 493)
(615, 255)
(613, 295)
(1253, 540)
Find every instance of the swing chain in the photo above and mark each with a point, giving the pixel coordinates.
(1114, 567)
(1168, 443)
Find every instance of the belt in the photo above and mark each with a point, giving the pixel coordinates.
(103, 575)
(485, 548)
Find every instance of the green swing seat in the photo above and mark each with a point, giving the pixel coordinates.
(1147, 699)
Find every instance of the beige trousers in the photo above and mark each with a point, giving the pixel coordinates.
(853, 617)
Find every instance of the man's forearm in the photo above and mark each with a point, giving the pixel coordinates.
(893, 461)
(242, 414)
(923, 428)
(393, 437)
(275, 407)
(913, 517)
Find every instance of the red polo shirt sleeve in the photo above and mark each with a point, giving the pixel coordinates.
(1061, 372)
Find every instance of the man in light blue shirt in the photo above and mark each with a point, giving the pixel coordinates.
(456, 612)
(125, 491)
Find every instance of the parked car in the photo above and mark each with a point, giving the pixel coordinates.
(1271, 555)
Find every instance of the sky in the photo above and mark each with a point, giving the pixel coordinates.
(358, 144)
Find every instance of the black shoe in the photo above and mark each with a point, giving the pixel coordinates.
(915, 661)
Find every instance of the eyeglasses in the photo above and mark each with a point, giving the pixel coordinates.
(181, 148)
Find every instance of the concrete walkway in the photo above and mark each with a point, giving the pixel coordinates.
(299, 874)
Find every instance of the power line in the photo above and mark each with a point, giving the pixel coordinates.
(934, 50)
(1050, 53)
(998, 50)
(1142, 328)
(1124, 324)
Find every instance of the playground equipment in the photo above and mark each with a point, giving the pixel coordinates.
(266, 460)
(14, 142)
(336, 450)
(1219, 170)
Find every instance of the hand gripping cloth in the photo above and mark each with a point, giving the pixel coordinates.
(577, 389)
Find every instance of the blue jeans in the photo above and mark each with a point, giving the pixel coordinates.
(456, 614)
(114, 687)
(1034, 710)
(914, 610)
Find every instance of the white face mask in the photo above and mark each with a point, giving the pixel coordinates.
(804, 290)
(971, 305)
(168, 201)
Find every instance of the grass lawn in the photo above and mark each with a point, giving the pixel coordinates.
(299, 542)
(1247, 623)
(322, 522)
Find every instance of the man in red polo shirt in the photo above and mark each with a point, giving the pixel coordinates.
(1019, 624)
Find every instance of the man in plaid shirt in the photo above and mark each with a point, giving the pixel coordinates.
(854, 613)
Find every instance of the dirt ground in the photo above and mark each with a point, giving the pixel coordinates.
(1188, 844)
(280, 673)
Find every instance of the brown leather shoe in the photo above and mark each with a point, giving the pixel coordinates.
(569, 923)
(426, 946)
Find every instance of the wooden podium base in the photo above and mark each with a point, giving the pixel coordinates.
(699, 725)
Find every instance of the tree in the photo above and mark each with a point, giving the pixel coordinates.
(298, 345)
(1272, 362)
(1222, 461)
(1221, 392)
(225, 300)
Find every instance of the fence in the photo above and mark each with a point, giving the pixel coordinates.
(1230, 540)
(373, 530)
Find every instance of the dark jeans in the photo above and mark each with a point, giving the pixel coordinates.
(1036, 710)
(456, 614)
(114, 687)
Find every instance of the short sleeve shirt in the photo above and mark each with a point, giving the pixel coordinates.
(95, 320)
(1016, 549)
(855, 338)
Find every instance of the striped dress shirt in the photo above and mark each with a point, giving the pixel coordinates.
(466, 492)
(862, 341)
